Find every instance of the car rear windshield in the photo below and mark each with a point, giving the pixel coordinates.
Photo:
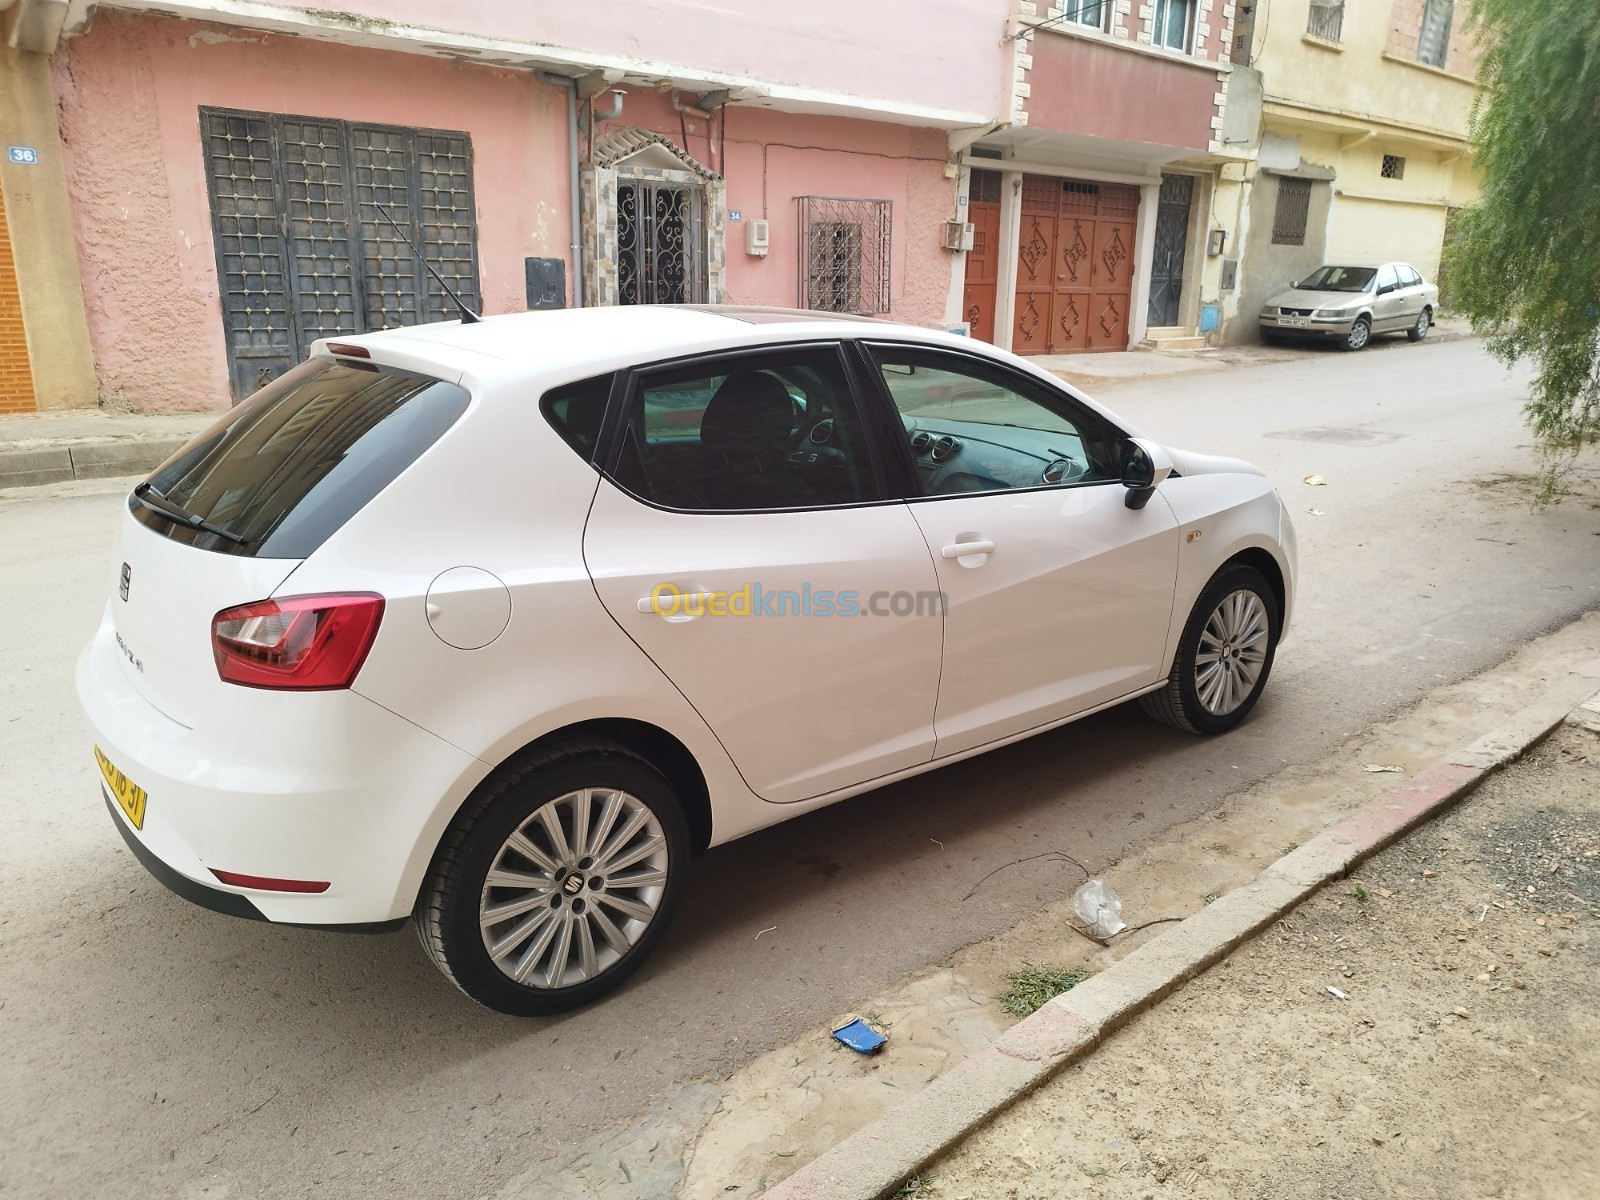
(1338, 279)
(284, 470)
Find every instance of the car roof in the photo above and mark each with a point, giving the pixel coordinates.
(1366, 263)
(564, 340)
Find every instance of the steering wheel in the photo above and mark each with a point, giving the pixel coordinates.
(814, 452)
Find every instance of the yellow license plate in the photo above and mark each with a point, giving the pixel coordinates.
(129, 796)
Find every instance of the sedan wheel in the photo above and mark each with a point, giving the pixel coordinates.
(1225, 654)
(1360, 334)
(558, 881)
(1420, 330)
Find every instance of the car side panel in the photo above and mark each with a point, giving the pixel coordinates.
(559, 659)
(1219, 516)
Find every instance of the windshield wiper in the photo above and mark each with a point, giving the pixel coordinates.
(147, 495)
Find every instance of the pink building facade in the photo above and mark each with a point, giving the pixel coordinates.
(1099, 188)
(243, 177)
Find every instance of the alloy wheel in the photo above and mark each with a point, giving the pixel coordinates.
(574, 888)
(1233, 650)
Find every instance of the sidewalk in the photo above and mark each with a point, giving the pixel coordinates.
(1462, 1023)
(40, 448)
(1095, 371)
(89, 444)
(1457, 1054)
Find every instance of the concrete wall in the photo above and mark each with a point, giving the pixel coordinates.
(130, 90)
(1372, 72)
(129, 94)
(1267, 269)
(48, 362)
(1098, 88)
(936, 54)
(773, 157)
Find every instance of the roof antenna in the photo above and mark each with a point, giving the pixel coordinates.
(468, 317)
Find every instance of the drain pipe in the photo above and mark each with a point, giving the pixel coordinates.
(571, 86)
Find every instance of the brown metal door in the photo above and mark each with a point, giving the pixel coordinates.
(1036, 256)
(983, 260)
(1070, 308)
(1090, 281)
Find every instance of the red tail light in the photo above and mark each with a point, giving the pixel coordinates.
(304, 643)
(262, 883)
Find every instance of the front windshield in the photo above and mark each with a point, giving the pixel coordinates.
(1338, 279)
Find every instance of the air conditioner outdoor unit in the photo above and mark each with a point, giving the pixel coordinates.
(755, 238)
(958, 235)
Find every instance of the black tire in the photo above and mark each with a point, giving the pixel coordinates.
(448, 911)
(1360, 335)
(1179, 702)
(1420, 330)
(1272, 339)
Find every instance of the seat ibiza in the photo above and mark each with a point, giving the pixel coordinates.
(494, 627)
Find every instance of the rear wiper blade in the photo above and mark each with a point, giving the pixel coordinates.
(147, 495)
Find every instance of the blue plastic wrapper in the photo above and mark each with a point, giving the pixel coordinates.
(860, 1037)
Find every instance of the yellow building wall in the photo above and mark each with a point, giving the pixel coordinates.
(1371, 74)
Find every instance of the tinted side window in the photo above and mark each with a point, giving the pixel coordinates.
(298, 459)
(974, 426)
(774, 430)
(577, 410)
(1387, 278)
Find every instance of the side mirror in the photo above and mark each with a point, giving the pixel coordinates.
(1144, 466)
(1385, 288)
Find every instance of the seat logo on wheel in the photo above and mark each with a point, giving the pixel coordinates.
(573, 885)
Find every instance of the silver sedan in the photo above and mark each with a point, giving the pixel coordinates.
(1351, 303)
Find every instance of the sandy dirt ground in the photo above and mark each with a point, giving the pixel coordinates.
(1428, 1028)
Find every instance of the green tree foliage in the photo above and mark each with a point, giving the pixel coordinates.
(1525, 266)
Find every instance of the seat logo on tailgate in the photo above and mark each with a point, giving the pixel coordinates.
(127, 578)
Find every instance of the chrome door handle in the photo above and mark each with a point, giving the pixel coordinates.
(963, 549)
(677, 606)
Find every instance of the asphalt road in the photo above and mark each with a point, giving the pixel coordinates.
(150, 1048)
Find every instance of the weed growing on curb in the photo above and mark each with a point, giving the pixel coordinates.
(1360, 893)
(1032, 987)
(917, 1185)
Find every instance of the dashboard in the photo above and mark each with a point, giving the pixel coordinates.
(969, 456)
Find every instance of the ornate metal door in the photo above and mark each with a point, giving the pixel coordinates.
(1111, 278)
(1036, 265)
(659, 239)
(1172, 237)
(302, 251)
(983, 260)
(1075, 266)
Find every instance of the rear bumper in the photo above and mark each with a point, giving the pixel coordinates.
(324, 786)
(232, 904)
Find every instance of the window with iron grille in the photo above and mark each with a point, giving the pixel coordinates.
(1433, 42)
(1289, 218)
(1394, 167)
(844, 254)
(1326, 19)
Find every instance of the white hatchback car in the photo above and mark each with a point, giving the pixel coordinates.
(495, 626)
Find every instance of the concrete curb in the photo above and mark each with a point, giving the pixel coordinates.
(876, 1160)
(98, 458)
